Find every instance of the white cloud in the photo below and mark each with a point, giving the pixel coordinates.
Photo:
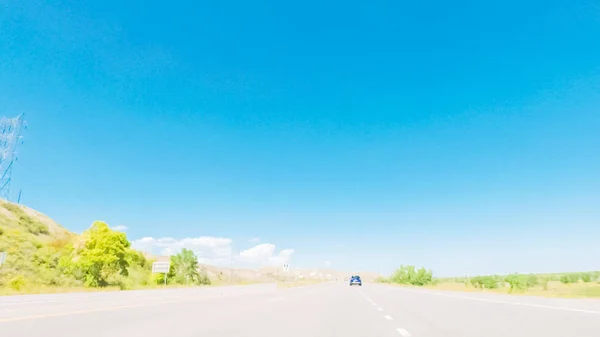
(119, 228)
(254, 240)
(210, 250)
(215, 251)
(264, 254)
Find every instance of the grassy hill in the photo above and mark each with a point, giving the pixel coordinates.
(34, 243)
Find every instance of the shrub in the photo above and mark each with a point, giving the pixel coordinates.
(532, 280)
(409, 275)
(569, 278)
(485, 282)
(516, 282)
(544, 281)
(138, 276)
(17, 283)
(520, 282)
(203, 279)
(158, 278)
(586, 277)
(124, 283)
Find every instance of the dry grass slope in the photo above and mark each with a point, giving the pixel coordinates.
(32, 241)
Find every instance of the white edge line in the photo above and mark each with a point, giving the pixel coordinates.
(517, 303)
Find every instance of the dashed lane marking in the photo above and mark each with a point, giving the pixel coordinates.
(403, 332)
(388, 317)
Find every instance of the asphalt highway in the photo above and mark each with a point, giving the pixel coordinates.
(323, 310)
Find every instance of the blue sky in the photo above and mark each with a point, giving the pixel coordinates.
(461, 136)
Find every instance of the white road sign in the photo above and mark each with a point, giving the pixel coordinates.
(161, 267)
(286, 268)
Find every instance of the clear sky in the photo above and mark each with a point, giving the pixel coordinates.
(463, 136)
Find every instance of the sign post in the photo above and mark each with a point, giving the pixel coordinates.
(161, 267)
(286, 269)
(2, 257)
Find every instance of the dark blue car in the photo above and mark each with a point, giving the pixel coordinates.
(355, 280)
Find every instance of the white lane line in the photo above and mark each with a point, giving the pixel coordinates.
(517, 303)
(373, 304)
(379, 309)
(403, 332)
(280, 298)
(388, 317)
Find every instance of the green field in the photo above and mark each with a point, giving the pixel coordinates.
(572, 285)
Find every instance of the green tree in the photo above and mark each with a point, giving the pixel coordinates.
(106, 254)
(184, 268)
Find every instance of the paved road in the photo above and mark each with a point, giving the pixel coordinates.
(324, 310)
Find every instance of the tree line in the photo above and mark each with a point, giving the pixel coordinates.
(103, 257)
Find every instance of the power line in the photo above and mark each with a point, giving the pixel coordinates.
(10, 137)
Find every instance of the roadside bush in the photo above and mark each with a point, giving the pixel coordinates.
(586, 277)
(485, 282)
(569, 278)
(409, 275)
(203, 279)
(123, 282)
(17, 283)
(516, 282)
(138, 276)
(158, 278)
(544, 282)
(520, 282)
(532, 280)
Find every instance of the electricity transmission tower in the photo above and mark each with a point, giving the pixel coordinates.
(10, 137)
